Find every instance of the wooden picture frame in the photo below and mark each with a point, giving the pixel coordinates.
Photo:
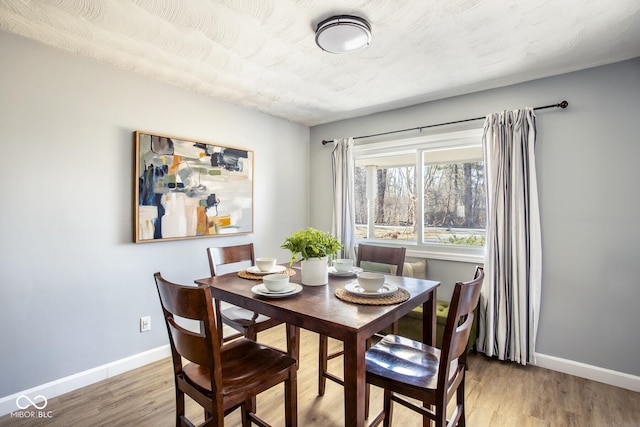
(187, 189)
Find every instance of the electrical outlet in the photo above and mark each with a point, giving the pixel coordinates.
(145, 324)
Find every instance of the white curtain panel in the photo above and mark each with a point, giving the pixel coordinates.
(344, 217)
(510, 298)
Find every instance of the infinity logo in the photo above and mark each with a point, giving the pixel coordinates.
(30, 402)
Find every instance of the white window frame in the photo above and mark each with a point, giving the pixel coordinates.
(418, 146)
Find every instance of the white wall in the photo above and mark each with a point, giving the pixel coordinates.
(72, 283)
(587, 163)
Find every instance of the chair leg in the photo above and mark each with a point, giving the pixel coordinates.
(207, 415)
(395, 328)
(387, 408)
(290, 400)
(251, 334)
(252, 407)
(441, 414)
(245, 410)
(367, 398)
(179, 406)
(210, 422)
(323, 350)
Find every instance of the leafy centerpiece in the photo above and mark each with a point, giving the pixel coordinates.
(314, 248)
(311, 243)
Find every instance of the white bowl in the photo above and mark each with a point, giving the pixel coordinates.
(265, 264)
(343, 265)
(370, 281)
(276, 282)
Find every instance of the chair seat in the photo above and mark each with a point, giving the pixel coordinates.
(245, 365)
(242, 317)
(407, 361)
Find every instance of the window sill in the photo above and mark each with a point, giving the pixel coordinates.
(446, 256)
(455, 253)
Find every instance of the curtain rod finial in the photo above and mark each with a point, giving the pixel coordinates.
(563, 104)
(325, 142)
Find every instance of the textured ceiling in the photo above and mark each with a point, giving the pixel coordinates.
(261, 54)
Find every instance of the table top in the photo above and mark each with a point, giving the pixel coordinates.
(317, 308)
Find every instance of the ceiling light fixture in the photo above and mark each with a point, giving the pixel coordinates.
(343, 34)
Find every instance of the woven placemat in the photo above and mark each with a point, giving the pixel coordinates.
(401, 295)
(246, 275)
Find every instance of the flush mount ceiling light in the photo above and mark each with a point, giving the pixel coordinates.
(343, 34)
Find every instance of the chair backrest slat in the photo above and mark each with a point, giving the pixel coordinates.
(230, 255)
(460, 338)
(382, 254)
(182, 301)
(190, 345)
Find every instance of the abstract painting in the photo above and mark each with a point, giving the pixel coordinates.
(188, 189)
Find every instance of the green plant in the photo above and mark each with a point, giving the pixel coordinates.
(311, 243)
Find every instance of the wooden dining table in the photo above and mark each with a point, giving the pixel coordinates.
(316, 308)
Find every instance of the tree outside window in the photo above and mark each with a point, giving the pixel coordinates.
(448, 206)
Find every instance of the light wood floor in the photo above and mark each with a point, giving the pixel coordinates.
(498, 394)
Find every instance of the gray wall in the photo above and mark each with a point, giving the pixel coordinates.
(587, 161)
(72, 283)
(73, 286)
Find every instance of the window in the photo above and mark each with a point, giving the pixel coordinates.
(427, 193)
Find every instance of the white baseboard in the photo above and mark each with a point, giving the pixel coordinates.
(91, 376)
(8, 404)
(590, 372)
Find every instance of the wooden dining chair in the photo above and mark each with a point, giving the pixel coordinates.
(246, 322)
(390, 256)
(221, 378)
(406, 368)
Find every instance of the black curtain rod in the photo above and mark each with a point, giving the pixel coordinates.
(562, 104)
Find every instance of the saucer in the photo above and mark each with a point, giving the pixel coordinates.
(353, 271)
(356, 289)
(255, 270)
(262, 291)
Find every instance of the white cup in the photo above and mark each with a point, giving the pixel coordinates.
(343, 265)
(370, 281)
(265, 264)
(276, 282)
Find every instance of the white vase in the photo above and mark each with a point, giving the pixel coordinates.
(315, 271)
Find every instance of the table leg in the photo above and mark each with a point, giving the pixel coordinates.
(354, 380)
(429, 320)
(293, 342)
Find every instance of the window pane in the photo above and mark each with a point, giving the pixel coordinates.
(447, 206)
(394, 211)
(454, 202)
